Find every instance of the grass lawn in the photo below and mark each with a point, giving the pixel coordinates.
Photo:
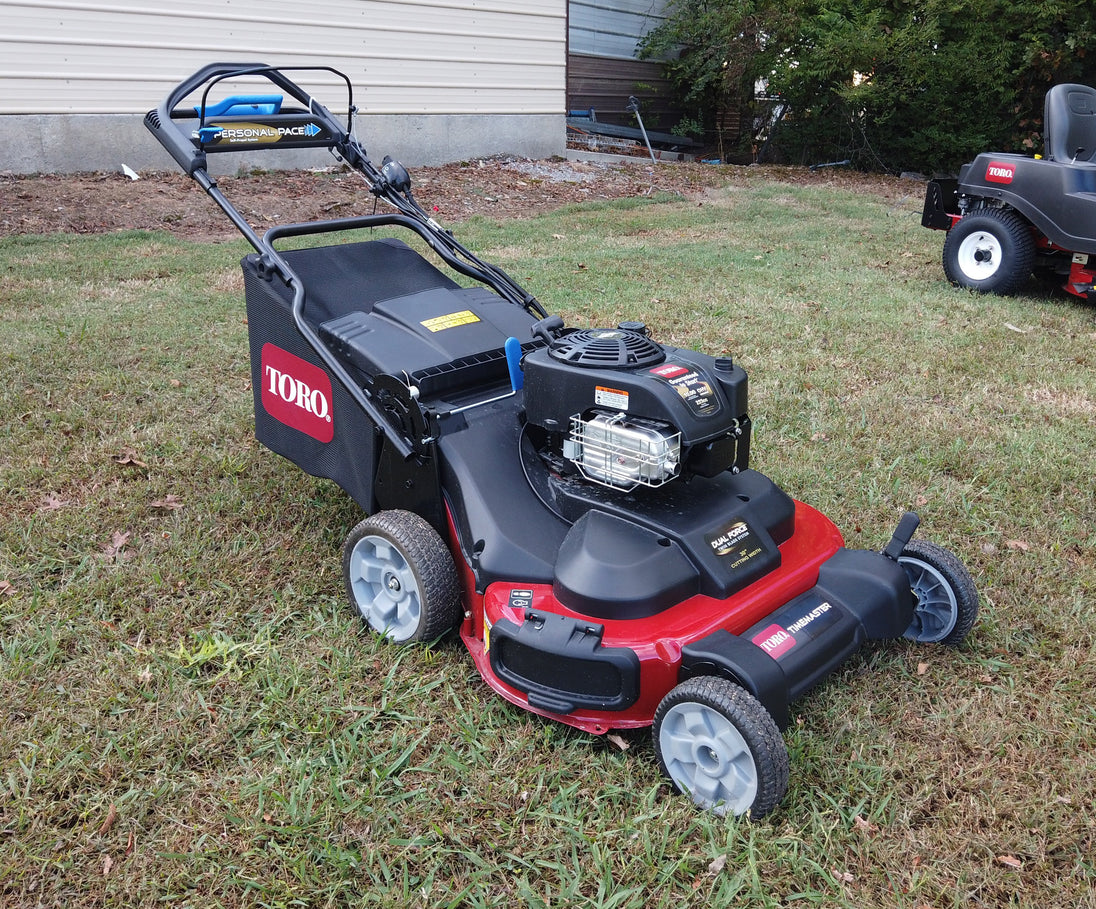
(191, 712)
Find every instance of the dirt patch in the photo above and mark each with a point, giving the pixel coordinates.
(501, 187)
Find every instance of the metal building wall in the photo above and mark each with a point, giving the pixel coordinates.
(602, 69)
(437, 80)
(611, 28)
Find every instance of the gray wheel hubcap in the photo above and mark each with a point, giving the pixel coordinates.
(384, 588)
(936, 609)
(707, 757)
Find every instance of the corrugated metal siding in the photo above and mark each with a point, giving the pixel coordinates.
(606, 84)
(412, 57)
(611, 28)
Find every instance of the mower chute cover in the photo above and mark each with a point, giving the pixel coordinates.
(578, 504)
(1008, 216)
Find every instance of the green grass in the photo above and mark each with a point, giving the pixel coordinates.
(191, 712)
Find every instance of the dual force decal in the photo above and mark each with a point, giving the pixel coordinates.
(735, 542)
(297, 393)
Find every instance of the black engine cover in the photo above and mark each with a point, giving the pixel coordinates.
(703, 397)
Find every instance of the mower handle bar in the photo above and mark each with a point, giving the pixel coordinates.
(189, 151)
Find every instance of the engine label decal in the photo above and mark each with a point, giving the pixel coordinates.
(297, 393)
(669, 371)
(610, 397)
(693, 387)
(997, 172)
(798, 627)
(452, 320)
(737, 543)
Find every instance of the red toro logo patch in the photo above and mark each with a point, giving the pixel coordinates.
(774, 640)
(1000, 173)
(297, 393)
(669, 371)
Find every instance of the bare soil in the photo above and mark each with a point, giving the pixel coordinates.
(501, 187)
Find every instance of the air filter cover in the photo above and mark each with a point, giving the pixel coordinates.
(607, 348)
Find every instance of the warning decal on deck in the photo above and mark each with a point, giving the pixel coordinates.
(440, 323)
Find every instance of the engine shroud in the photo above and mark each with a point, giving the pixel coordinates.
(600, 375)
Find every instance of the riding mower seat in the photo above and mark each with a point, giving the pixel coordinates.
(1069, 124)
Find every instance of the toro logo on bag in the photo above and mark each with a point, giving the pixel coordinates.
(1000, 173)
(297, 393)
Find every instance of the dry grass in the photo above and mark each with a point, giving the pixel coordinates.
(191, 713)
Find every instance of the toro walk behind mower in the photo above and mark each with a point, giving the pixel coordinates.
(577, 502)
(1009, 215)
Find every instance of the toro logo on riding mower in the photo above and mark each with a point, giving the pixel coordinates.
(297, 393)
(1000, 173)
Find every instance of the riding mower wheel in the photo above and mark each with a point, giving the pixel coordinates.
(990, 250)
(400, 577)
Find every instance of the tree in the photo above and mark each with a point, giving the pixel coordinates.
(890, 84)
(715, 52)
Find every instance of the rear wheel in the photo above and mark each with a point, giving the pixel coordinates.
(946, 600)
(400, 577)
(721, 747)
(990, 250)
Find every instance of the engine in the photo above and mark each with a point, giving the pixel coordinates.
(625, 411)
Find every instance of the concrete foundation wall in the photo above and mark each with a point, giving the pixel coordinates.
(74, 143)
(434, 80)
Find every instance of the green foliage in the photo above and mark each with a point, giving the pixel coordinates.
(893, 85)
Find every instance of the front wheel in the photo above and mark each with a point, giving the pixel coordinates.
(945, 598)
(400, 577)
(720, 746)
(991, 250)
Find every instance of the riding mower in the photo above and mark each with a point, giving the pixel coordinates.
(577, 502)
(1009, 215)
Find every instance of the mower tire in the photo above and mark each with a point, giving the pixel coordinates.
(946, 600)
(720, 746)
(400, 577)
(990, 250)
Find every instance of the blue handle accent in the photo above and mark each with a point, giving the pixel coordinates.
(244, 104)
(513, 361)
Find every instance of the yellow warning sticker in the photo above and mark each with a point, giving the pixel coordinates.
(440, 323)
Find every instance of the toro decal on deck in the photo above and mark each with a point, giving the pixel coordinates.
(813, 620)
(997, 172)
(297, 393)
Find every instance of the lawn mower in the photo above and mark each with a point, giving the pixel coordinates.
(1009, 215)
(578, 502)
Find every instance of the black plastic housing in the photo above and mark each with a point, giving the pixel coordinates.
(860, 596)
(1058, 197)
(700, 395)
(561, 665)
(632, 557)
